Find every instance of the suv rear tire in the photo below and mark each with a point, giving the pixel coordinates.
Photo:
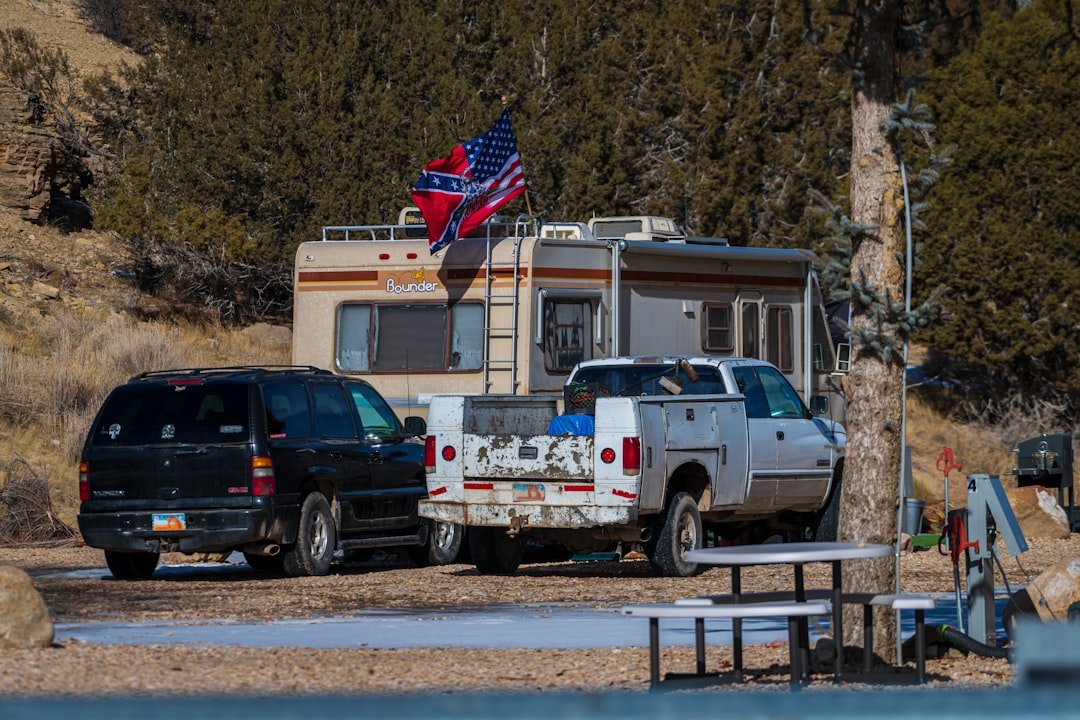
(316, 539)
(442, 547)
(131, 565)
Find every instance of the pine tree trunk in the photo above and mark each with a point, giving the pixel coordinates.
(873, 387)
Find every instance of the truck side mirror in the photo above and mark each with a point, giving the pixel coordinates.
(415, 425)
(843, 358)
(819, 404)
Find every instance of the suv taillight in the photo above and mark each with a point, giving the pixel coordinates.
(84, 481)
(262, 476)
(429, 454)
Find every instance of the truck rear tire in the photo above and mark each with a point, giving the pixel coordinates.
(679, 533)
(263, 563)
(131, 565)
(316, 539)
(494, 552)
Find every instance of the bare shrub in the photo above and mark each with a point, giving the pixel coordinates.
(26, 509)
(1017, 417)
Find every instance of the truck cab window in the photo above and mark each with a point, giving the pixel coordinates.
(749, 385)
(783, 401)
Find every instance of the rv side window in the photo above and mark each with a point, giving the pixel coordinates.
(391, 338)
(353, 333)
(778, 337)
(567, 334)
(716, 327)
(750, 330)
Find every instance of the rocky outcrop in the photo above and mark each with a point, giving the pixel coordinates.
(24, 618)
(36, 168)
(29, 147)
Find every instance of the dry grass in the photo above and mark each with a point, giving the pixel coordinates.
(976, 446)
(54, 377)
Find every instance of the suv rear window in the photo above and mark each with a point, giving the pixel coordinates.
(144, 414)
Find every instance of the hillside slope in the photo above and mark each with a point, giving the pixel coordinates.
(71, 326)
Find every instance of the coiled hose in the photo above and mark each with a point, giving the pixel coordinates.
(969, 644)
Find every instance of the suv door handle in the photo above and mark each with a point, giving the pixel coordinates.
(779, 434)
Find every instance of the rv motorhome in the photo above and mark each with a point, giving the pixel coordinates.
(515, 307)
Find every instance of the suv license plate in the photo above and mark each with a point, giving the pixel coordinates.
(164, 523)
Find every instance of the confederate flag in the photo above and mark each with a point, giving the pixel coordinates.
(457, 193)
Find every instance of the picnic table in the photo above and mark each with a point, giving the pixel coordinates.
(797, 555)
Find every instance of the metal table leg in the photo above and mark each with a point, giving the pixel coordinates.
(837, 618)
(736, 623)
(654, 653)
(804, 624)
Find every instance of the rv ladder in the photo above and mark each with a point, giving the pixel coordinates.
(493, 361)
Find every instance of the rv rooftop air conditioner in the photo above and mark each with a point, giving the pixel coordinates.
(637, 227)
(565, 231)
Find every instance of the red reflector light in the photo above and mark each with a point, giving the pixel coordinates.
(411, 256)
(631, 456)
(84, 481)
(429, 454)
(185, 381)
(448, 453)
(384, 256)
(607, 456)
(263, 483)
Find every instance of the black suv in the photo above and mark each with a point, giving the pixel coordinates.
(288, 465)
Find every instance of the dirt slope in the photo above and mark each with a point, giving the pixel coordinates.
(56, 23)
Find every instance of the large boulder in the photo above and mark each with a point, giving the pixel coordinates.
(1038, 512)
(1055, 590)
(24, 618)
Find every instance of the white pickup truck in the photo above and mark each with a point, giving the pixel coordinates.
(649, 449)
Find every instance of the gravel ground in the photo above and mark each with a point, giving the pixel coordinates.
(86, 669)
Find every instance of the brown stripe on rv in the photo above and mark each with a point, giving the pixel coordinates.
(339, 275)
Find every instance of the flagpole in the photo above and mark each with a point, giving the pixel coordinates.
(528, 205)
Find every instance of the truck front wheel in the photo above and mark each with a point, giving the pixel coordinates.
(679, 533)
(495, 552)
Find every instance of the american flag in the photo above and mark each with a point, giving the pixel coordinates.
(458, 192)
